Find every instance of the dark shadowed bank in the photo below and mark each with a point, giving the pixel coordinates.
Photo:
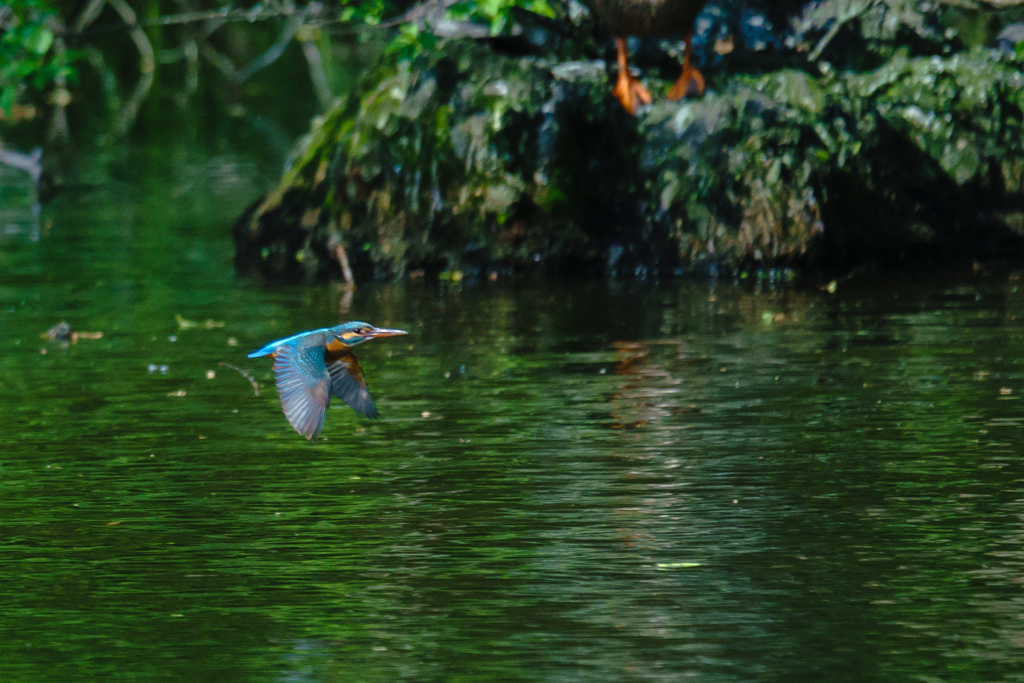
(842, 133)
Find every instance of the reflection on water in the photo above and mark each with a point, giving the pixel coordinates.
(570, 481)
(19, 209)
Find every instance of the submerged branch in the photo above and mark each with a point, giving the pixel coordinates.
(335, 242)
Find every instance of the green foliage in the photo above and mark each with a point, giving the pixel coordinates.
(413, 39)
(492, 13)
(425, 173)
(495, 13)
(455, 153)
(369, 12)
(515, 157)
(410, 42)
(28, 58)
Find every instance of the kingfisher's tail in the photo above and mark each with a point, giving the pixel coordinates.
(265, 351)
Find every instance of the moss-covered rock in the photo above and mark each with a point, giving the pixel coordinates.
(924, 151)
(471, 157)
(468, 157)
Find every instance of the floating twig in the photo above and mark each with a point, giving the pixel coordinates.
(243, 373)
(62, 332)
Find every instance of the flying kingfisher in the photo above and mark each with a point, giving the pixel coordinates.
(311, 367)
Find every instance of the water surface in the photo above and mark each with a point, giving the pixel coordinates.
(571, 481)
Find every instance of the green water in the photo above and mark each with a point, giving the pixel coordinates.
(571, 481)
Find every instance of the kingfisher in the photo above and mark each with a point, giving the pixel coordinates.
(311, 367)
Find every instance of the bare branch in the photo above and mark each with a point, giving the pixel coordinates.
(171, 56)
(192, 71)
(223, 64)
(827, 38)
(146, 59)
(88, 15)
(108, 80)
(272, 53)
(346, 269)
(147, 64)
(984, 4)
(844, 13)
(220, 17)
(316, 72)
(60, 97)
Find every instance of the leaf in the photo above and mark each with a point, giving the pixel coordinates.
(184, 324)
(663, 566)
(7, 96)
(40, 41)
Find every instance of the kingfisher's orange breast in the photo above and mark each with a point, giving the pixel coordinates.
(337, 347)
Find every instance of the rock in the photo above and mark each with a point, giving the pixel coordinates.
(1010, 37)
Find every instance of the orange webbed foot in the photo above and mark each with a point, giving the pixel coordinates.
(690, 84)
(630, 92)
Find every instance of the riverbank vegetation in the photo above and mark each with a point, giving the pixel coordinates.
(467, 138)
(855, 132)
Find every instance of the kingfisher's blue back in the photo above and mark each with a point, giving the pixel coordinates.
(295, 340)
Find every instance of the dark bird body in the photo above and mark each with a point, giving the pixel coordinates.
(650, 18)
(312, 367)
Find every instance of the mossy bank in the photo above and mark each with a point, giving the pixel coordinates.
(471, 157)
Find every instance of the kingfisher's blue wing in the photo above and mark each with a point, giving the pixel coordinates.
(305, 387)
(347, 383)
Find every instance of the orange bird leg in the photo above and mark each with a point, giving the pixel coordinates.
(628, 89)
(691, 82)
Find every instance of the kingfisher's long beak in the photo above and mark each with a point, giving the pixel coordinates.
(384, 332)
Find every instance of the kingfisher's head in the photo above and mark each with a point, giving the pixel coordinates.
(355, 332)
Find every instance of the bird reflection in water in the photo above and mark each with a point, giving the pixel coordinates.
(647, 394)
